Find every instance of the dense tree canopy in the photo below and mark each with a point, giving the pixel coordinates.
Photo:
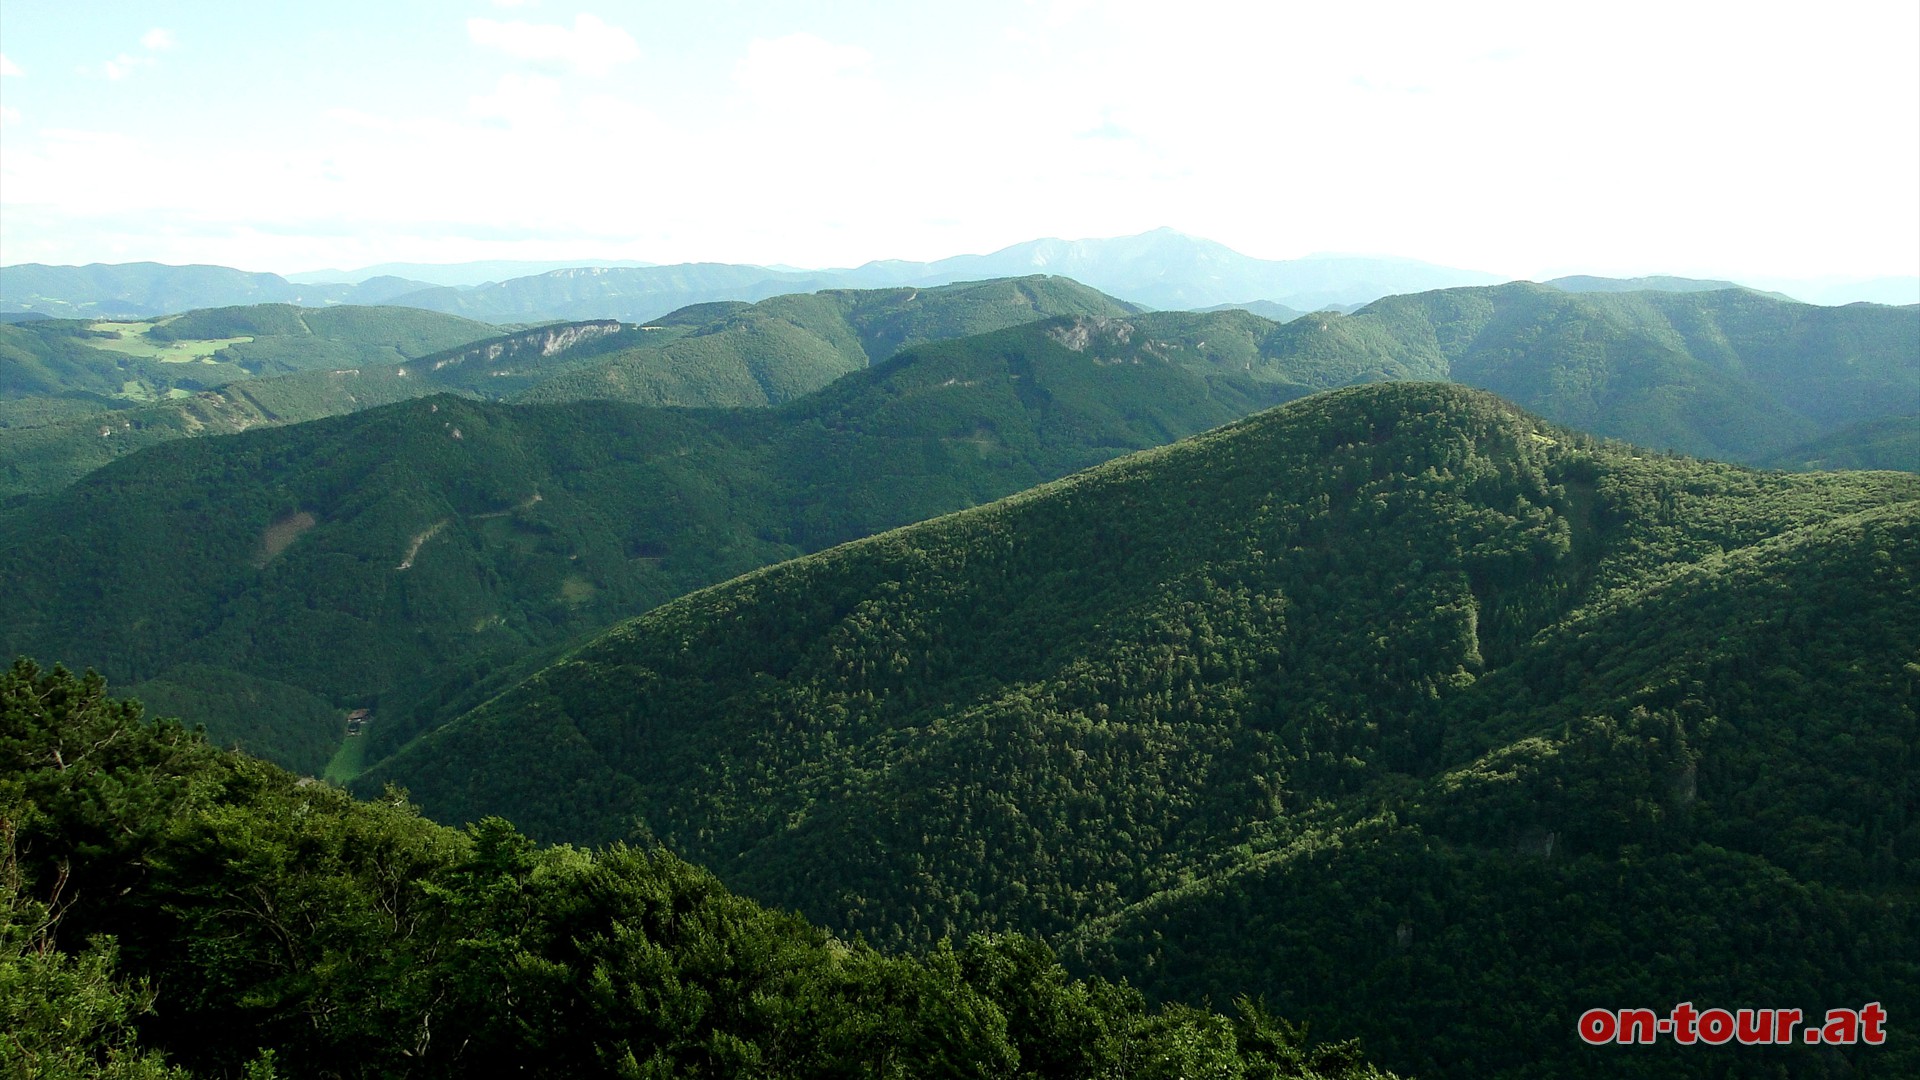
(162, 897)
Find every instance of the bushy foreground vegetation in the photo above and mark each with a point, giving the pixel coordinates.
(170, 909)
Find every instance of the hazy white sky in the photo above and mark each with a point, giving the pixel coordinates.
(1528, 139)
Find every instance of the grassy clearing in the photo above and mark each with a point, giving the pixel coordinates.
(577, 590)
(349, 761)
(131, 338)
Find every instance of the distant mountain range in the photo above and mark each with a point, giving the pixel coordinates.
(146, 290)
(1894, 290)
(1655, 283)
(1162, 269)
(458, 275)
(1168, 270)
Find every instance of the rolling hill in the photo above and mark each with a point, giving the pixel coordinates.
(1266, 309)
(1651, 283)
(1734, 375)
(1434, 721)
(787, 346)
(403, 556)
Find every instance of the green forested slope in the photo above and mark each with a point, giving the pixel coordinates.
(165, 906)
(1474, 664)
(782, 348)
(1891, 442)
(1735, 374)
(399, 557)
(1700, 789)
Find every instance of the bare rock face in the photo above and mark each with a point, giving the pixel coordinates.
(1092, 331)
(543, 341)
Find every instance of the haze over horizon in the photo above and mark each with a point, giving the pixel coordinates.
(1751, 143)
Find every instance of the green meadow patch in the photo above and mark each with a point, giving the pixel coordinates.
(132, 339)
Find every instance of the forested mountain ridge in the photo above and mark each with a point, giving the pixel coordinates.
(1481, 663)
(1891, 442)
(1710, 801)
(1730, 374)
(1734, 375)
(782, 348)
(165, 907)
(402, 555)
(944, 427)
(229, 369)
(1650, 283)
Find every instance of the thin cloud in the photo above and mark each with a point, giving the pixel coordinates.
(158, 39)
(121, 66)
(591, 45)
(8, 67)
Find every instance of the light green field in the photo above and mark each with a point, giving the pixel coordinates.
(349, 761)
(131, 338)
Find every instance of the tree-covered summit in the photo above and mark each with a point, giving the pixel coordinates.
(1476, 661)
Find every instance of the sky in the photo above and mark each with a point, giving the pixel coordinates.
(1737, 140)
